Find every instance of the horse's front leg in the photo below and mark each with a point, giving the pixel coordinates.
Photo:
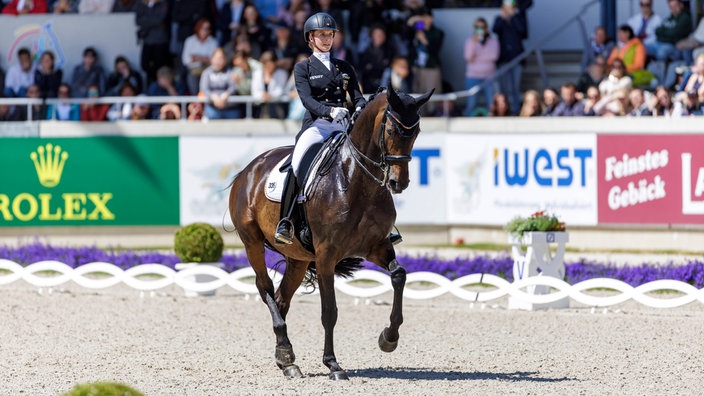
(385, 257)
(326, 282)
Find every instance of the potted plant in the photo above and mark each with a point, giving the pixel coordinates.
(531, 238)
(198, 244)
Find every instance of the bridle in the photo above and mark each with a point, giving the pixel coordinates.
(403, 130)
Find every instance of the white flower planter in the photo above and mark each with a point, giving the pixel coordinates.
(532, 257)
(198, 278)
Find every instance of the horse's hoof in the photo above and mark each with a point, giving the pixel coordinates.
(386, 345)
(292, 371)
(284, 356)
(339, 375)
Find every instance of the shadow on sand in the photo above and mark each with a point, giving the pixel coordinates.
(427, 374)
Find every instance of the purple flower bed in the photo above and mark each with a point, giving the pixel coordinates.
(691, 272)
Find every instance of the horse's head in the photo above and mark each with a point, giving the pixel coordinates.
(399, 127)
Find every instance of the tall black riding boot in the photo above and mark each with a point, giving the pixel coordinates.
(284, 230)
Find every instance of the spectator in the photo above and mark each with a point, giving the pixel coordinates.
(91, 111)
(195, 111)
(64, 111)
(258, 33)
(500, 106)
(599, 45)
(286, 14)
(299, 20)
(481, 51)
(676, 27)
(398, 74)
(334, 9)
(23, 7)
(570, 106)
(269, 85)
(340, 50)
(425, 55)
(186, 15)
(632, 52)
(693, 80)
(550, 100)
(197, 50)
(170, 111)
(532, 107)
(617, 79)
(65, 7)
(38, 110)
(140, 110)
(217, 86)
(645, 22)
(165, 85)
(593, 96)
(229, 19)
(122, 74)
(375, 59)
(86, 74)
(122, 111)
(153, 32)
(362, 16)
(269, 9)
(47, 77)
(124, 6)
(693, 44)
(661, 104)
(8, 112)
(20, 75)
(593, 76)
(284, 47)
(639, 104)
(95, 6)
(614, 104)
(510, 28)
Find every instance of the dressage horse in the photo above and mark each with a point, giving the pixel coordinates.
(350, 213)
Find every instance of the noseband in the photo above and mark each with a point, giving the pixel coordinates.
(405, 131)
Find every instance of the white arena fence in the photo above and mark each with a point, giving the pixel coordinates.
(364, 284)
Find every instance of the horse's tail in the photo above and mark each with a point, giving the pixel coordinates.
(345, 269)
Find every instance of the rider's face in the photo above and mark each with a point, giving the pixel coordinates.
(323, 39)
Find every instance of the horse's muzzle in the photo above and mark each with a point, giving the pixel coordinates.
(396, 186)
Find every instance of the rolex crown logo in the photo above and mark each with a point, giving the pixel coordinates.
(49, 162)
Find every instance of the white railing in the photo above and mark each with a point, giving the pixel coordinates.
(149, 277)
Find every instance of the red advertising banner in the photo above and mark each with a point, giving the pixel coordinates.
(650, 179)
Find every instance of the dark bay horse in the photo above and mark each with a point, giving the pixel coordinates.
(350, 214)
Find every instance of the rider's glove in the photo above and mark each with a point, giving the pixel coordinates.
(339, 113)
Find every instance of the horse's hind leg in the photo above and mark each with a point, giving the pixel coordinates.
(386, 258)
(284, 351)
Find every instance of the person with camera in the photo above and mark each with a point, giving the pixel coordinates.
(424, 54)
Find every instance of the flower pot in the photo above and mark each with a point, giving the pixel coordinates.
(532, 256)
(198, 278)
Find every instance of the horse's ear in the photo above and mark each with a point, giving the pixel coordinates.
(420, 101)
(393, 98)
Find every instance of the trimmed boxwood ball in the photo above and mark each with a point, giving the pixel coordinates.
(198, 243)
(102, 389)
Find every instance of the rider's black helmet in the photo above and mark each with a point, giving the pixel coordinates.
(319, 21)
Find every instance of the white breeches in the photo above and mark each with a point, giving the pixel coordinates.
(316, 133)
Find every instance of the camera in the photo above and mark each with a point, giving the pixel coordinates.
(420, 25)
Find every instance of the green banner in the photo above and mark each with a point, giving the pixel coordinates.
(89, 181)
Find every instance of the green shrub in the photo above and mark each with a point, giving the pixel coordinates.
(198, 243)
(102, 389)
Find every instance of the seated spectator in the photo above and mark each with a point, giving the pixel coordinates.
(375, 59)
(140, 110)
(195, 111)
(550, 100)
(570, 106)
(481, 51)
(165, 85)
(170, 111)
(661, 104)
(256, 30)
(217, 85)
(64, 111)
(693, 44)
(693, 80)
(47, 77)
(91, 111)
(500, 106)
(122, 111)
(632, 52)
(639, 103)
(615, 104)
(532, 107)
(645, 22)
(8, 112)
(185, 16)
(269, 86)
(20, 75)
(124, 6)
(65, 7)
(88, 73)
(284, 48)
(95, 6)
(592, 97)
(123, 73)
(599, 45)
(594, 74)
(22, 7)
(617, 79)
(197, 50)
(398, 74)
(38, 110)
(691, 105)
(243, 69)
(676, 27)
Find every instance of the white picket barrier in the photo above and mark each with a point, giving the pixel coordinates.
(364, 284)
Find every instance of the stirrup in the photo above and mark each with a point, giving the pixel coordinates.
(395, 238)
(284, 232)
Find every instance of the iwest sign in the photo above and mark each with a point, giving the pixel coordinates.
(89, 181)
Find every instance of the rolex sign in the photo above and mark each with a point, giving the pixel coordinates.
(89, 181)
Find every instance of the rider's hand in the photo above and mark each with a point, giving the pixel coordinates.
(339, 113)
